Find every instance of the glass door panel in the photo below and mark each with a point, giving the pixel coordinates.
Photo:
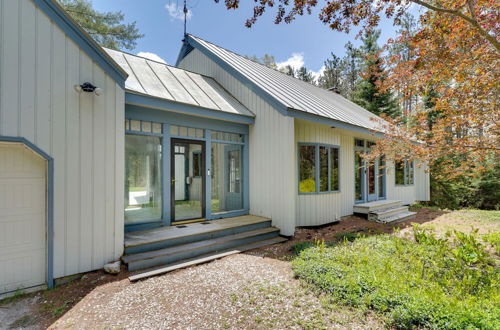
(227, 175)
(142, 179)
(371, 184)
(188, 180)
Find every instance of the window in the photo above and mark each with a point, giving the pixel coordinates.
(227, 177)
(318, 169)
(142, 178)
(404, 172)
(197, 164)
(143, 126)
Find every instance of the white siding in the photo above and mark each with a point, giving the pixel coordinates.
(318, 209)
(39, 65)
(420, 191)
(272, 153)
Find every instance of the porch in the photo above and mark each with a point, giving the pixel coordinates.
(197, 241)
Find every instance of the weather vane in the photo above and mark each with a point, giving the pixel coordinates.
(185, 16)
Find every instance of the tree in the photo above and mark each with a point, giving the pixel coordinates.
(305, 75)
(288, 70)
(457, 55)
(332, 77)
(351, 70)
(267, 60)
(368, 93)
(107, 28)
(402, 51)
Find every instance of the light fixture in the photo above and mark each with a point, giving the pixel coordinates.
(88, 88)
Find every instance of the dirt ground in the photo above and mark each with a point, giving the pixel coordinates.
(73, 303)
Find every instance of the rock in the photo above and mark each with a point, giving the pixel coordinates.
(112, 267)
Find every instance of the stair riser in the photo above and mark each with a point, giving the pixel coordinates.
(366, 210)
(194, 238)
(398, 220)
(375, 217)
(162, 260)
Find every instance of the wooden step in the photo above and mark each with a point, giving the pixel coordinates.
(366, 208)
(185, 251)
(205, 258)
(398, 217)
(384, 213)
(160, 238)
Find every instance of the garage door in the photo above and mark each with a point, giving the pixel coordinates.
(22, 218)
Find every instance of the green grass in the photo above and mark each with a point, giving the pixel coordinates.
(427, 282)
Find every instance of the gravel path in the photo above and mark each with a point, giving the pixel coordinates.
(240, 291)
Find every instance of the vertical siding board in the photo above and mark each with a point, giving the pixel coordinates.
(72, 160)
(43, 80)
(39, 65)
(109, 173)
(86, 170)
(119, 171)
(98, 171)
(59, 147)
(27, 71)
(9, 82)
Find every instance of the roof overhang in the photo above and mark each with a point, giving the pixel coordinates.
(188, 109)
(57, 14)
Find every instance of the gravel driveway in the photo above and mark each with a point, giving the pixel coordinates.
(239, 291)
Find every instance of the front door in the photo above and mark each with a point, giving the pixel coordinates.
(188, 179)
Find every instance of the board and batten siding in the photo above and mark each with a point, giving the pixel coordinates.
(319, 209)
(39, 65)
(272, 155)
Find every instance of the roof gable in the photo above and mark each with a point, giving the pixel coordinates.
(287, 94)
(73, 30)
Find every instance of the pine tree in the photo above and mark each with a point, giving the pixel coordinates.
(333, 75)
(351, 70)
(288, 70)
(107, 29)
(305, 75)
(367, 93)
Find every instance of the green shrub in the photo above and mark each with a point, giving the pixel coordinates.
(301, 246)
(430, 282)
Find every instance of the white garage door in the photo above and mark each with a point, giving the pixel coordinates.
(22, 218)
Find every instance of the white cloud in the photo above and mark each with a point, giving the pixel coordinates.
(151, 56)
(316, 74)
(296, 61)
(176, 12)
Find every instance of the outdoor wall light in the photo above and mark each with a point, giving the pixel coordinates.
(88, 88)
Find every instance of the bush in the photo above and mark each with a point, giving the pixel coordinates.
(430, 282)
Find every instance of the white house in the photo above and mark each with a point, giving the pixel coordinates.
(97, 146)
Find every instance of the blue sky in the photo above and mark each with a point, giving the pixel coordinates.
(305, 40)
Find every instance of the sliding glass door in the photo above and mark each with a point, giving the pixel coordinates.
(369, 177)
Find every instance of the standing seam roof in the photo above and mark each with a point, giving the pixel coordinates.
(292, 92)
(160, 80)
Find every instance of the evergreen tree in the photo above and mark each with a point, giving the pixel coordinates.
(107, 28)
(351, 70)
(288, 70)
(333, 75)
(367, 93)
(305, 75)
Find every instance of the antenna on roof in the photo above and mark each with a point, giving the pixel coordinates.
(185, 16)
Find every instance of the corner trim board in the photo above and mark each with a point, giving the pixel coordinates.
(50, 201)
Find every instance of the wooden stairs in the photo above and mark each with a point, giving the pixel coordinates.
(174, 245)
(385, 211)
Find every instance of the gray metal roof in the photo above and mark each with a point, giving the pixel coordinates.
(151, 78)
(294, 93)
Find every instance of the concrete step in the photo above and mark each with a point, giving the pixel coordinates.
(384, 213)
(185, 251)
(156, 239)
(398, 217)
(204, 258)
(366, 208)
